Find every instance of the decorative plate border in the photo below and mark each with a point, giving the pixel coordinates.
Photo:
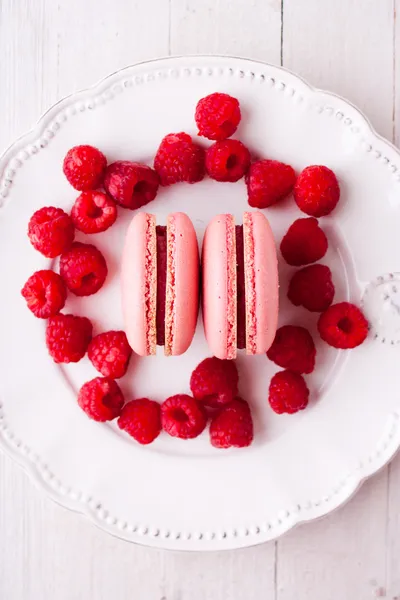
(40, 137)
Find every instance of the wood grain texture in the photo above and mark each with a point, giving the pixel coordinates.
(50, 48)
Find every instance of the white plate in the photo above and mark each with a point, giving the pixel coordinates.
(185, 494)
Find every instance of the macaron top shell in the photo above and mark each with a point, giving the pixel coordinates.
(182, 293)
(219, 286)
(261, 283)
(139, 282)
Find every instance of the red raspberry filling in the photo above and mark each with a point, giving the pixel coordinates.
(131, 184)
(83, 269)
(45, 294)
(161, 235)
(141, 419)
(101, 399)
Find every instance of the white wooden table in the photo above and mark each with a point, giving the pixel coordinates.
(50, 48)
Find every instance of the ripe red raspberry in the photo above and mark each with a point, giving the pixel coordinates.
(101, 399)
(109, 353)
(178, 158)
(215, 381)
(93, 212)
(45, 293)
(183, 417)
(312, 288)
(67, 337)
(343, 326)
(217, 116)
(317, 191)
(227, 160)
(141, 419)
(232, 426)
(84, 167)
(83, 269)
(131, 184)
(304, 243)
(51, 231)
(288, 392)
(293, 348)
(269, 181)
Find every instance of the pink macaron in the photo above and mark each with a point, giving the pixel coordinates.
(160, 284)
(240, 285)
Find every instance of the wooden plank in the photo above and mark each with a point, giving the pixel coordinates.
(393, 540)
(249, 28)
(345, 48)
(337, 46)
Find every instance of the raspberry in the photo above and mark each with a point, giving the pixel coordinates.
(45, 293)
(304, 243)
(343, 326)
(83, 269)
(217, 116)
(232, 426)
(67, 337)
(293, 348)
(312, 288)
(93, 212)
(269, 181)
(131, 184)
(227, 160)
(51, 231)
(288, 392)
(101, 399)
(316, 191)
(178, 158)
(183, 417)
(109, 353)
(215, 381)
(141, 419)
(84, 167)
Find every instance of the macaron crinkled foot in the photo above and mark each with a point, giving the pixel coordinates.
(160, 284)
(240, 285)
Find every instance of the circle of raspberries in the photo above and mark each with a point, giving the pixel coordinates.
(83, 270)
